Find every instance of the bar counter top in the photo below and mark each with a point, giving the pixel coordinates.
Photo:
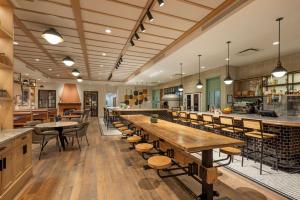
(280, 120)
(9, 134)
(138, 109)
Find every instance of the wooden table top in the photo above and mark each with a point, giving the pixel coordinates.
(71, 116)
(183, 137)
(56, 124)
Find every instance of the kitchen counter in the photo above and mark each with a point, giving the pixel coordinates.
(10, 134)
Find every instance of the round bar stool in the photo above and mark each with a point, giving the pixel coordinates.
(143, 147)
(117, 122)
(127, 132)
(133, 140)
(123, 128)
(119, 125)
(159, 162)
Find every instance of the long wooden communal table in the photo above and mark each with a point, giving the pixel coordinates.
(186, 139)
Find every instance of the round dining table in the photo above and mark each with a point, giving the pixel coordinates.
(59, 126)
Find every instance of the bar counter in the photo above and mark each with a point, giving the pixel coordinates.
(162, 113)
(286, 127)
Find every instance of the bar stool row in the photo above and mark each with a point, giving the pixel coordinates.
(251, 131)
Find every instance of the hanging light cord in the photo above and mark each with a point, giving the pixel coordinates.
(228, 57)
(199, 66)
(181, 72)
(279, 36)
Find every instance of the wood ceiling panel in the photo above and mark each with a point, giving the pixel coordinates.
(107, 20)
(97, 50)
(101, 29)
(162, 31)
(138, 54)
(143, 50)
(106, 37)
(46, 7)
(141, 43)
(98, 54)
(210, 3)
(64, 2)
(52, 20)
(20, 38)
(113, 8)
(25, 44)
(104, 44)
(179, 8)
(156, 39)
(171, 22)
(18, 31)
(42, 27)
(63, 48)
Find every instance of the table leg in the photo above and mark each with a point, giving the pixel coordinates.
(207, 189)
(61, 137)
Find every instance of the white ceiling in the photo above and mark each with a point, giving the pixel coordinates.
(253, 26)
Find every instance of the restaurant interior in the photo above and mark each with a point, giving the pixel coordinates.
(150, 99)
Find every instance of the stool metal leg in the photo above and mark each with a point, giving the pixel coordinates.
(261, 155)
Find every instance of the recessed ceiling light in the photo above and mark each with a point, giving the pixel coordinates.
(227, 59)
(275, 43)
(52, 36)
(50, 69)
(103, 54)
(202, 67)
(108, 30)
(37, 59)
(38, 79)
(26, 74)
(57, 75)
(160, 71)
(15, 43)
(101, 65)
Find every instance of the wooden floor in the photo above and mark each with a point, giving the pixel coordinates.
(108, 170)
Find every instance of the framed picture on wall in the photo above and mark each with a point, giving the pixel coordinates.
(229, 99)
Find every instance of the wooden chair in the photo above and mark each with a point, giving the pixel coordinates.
(183, 118)
(228, 123)
(209, 122)
(253, 130)
(175, 117)
(194, 121)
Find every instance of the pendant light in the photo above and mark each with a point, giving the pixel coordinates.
(52, 36)
(75, 72)
(279, 70)
(180, 88)
(79, 79)
(68, 61)
(228, 80)
(199, 84)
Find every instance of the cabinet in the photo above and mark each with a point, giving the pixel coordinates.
(193, 102)
(47, 98)
(15, 165)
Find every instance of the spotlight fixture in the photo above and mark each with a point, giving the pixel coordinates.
(75, 72)
(121, 59)
(180, 88)
(68, 61)
(142, 28)
(228, 80)
(15, 42)
(136, 36)
(79, 79)
(199, 84)
(149, 15)
(52, 36)
(279, 70)
(161, 3)
(132, 43)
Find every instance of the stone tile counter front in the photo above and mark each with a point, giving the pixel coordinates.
(287, 128)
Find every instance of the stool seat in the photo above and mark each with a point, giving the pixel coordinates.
(144, 147)
(214, 126)
(128, 132)
(134, 139)
(119, 125)
(117, 122)
(230, 151)
(123, 128)
(258, 135)
(159, 162)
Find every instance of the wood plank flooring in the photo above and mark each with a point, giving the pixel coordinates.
(108, 170)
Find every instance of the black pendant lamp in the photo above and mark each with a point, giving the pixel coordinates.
(228, 80)
(279, 70)
(52, 36)
(180, 88)
(199, 84)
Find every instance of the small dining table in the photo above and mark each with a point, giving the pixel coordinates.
(59, 126)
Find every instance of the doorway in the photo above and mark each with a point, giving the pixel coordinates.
(91, 102)
(111, 99)
(193, 102)
(213, 93)
(155, 99)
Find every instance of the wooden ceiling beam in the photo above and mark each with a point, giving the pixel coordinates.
(197, 4)
(79, 23)
(36, 41)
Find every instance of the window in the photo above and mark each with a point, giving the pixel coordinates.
(47, 98)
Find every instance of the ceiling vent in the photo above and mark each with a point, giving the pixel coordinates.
(248, 52)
